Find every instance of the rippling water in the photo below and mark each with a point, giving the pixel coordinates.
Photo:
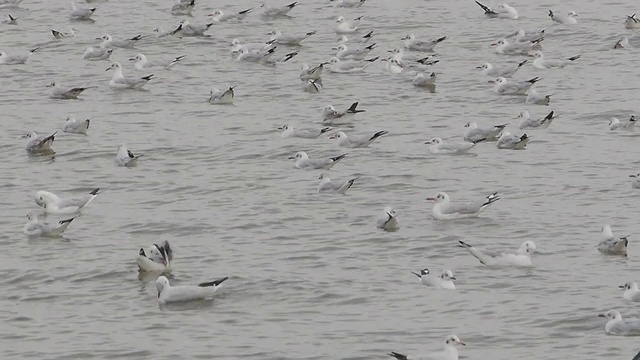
(310, 275)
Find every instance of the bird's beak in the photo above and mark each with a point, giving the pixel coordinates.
(494, 44)
(332, 137)
(132, 59)
(453, 278)
(633, 176)
(462, 343)
(602, 315)
(478, 67)
(334, 48)
(491, 81)
(621, 287)
(292, 157)
(431, 199)
(98, 38)
(280, 127)
(107, 69)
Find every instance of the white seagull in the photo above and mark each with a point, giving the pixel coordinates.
(631, 292)
(504, 87)
(118, 81)
(183, 7)
(349, 66)
(411, 43)
(609, 245)
(35, 227)
(40, 145)
(502, 11)
(445, 210)
(54, 204)
(422, 80)
(541, 63)
(81, 14)
(522, 257)
(507, 71)
(289, 132)
(442, 281)
(437, 146)
(331, 115)
(629, 125)
(304, 162)
(508, 141)
(108, 42)
(125, 157)
(503, 47)
(389, 220)
(288, 39)
(72, 126)
(636, 183)
(65, 93)
(94, 54)
(354, 141)
(6, 59)
(156, 259)
(617, 326)
(532, 123)
(345, 27)
(450, 352)
(141, 62)
(632, 22)
(219, 16)
(220, 97)
(274, 11)
(475, 133)
(569, 18)
(180, 293)
(334, 187)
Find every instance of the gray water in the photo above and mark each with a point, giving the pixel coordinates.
(310, 275)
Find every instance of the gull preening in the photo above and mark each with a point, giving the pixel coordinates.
(631, 292)
(19, 59)
(72, 126)
(183, 7)
(349, 66)
(536, 98)
(389, 220)
(535, 123)
(274, 11)
(315, 73)
(450, 351)
(475, 134)
(629, 125)
(63, 35)
(119, 81)
(522, 257)
(411, 43)
(636, 183)
(506, 71)
(632, 22)
(443, 281)
(618, 326)
(437, 146)
(35, 227)
(180, 293)
(312, 86)
(570, 18)
(445, 210)
(65, 93)
(304, 162)
(108, 42)
(219, 16)
(125, 157)
(502, 11)
(622, 43)
(81, 14)
(94, 54)
(141, 62)
(54, 204)
(10, 20)
(345, 27)
(508, 141)
(289, 132)
(156, 259)
(334, 187)
(504, 87)
(422, 80)
(609, 245)
(220, 97)
(356, 141)
(541, 63)
(40, 145)
(330, 114)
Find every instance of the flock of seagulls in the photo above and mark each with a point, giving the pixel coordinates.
(352, 55)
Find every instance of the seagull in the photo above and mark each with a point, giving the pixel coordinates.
(609, 245)
(237, 46)
(623, 43)
(349, 66)
(81, 14)
(503, 47)
(422, 80)
(288, 132)
(444, 210)
(632, 22)
(617, 326)
(411, 43)
(345, 27)
(507, 71)
(288, 39)
(522, 36)
(503, 11)
(75, 127)
(66, 93)
(221, 97)
(93, 54)
(40, 144)
(118, 81)
(631, 292)
(312, 86)
(34, 227)
(156, 259)
(356, 141)
(274, 11)
(5, 4)
(450, 352)
(10, 20)
(475, 134)
(535, 98)
(62, 35)
(334, 187)
(303, 161)
(636, 183)
(170, 294)
(330, 114)
(522, 257)
(194, 30)
(438, 147)
(54, 204)
(504, 87)
(443, 281)
(314, 73)
(541, 63)
(512, 142)
(219, 16)
(355, 53)
(183, 7)
(389, 220)
(255, 56)
(6, 59)
(570, 18)
(141, 62)
(365, 38)
(530, 123)
(125, 157)
(108, 42)
(629, 125)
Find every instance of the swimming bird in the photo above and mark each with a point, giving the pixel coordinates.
(354, 141)
(219, 16)
(522, 257)
(62, 35)
(504, 87)
(348, 3)
(345, 27)
(54, 204)
(65, 93)
(261, 56)
(422, 80)
(288, 132)
(220, 97)
(502, 11)
(35, 227)
(631, 292)
(354, 53)
(156, 259)
(532, 123)
(636, 183)
(81, 14)
(125, 157)
(331, 115)
(194, 30)
(442, 281)
(504, 47)
(475, 134)
(315, 73)
(618, 326)
(275, 11)
(119, 81)
(108, 42)
(40, 145)
(6, 59)
(509, 141)
(304, 162)
(507, 71)
(183, 7)
(72, 126)
(289, 39)
(569, 18)
(10, 20)
(141, 62)
(609, 245)
(349, 66)
(445, 210)
(334, 187)
(411, 43)
(312, 86)
(437, 146)
(450, 352)
(541, 63)
(632, 22)
(622, 43)
(536, 98)
(180, 293)
(94, 54)
(389, 220)
(629, 125)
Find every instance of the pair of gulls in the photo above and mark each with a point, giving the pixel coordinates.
(352, 141)
(505, 11)
(53, 204)
(474, 135)
(502, 86)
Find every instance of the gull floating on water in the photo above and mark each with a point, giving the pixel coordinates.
(10, 20)
(194, 30)
(504, 87)
(54, 204)
(617, 326)
(220, 97)
(219, 16)
(609, 245)
(108, 42)
(348, 3)
(345, 27)
(156, 259)
(62, 35)
(35, 227)
(334, 187)
(72, 126)
(288, 132)
(508, 141)
(349, 66)
(180, 293)
(81, 14)
(532, 123)
(503, 11)
(183, 7)
(569, 18)
(445, 210)
(354, 141)
(636, 183)
(629, 125)
(632, 22)
(507, 71)
(237, 46)
(522, 257)
(312, 86)
(363, 39)
(450, 352)
(444, 281)
(125, 157)
(256, 56)
(331, 115)
(411, 43)
(66, 93)
(315, 73)
(119, 81)
(437, 146)
(522, 36)
(141, 62)
(503, 47)
(536, 98)
(6, 59)
(422, 80)
(389, 220)
(40, 144)
(631, 292)
(541, 63)
(274, 11)
(475, 134)
(623, 43)
(161, 33)
(94, 54)
(6, 4)
(393, 65)
(288, 39)
(303, 161)
(354, 53)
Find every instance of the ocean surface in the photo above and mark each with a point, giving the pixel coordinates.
(310, 275)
